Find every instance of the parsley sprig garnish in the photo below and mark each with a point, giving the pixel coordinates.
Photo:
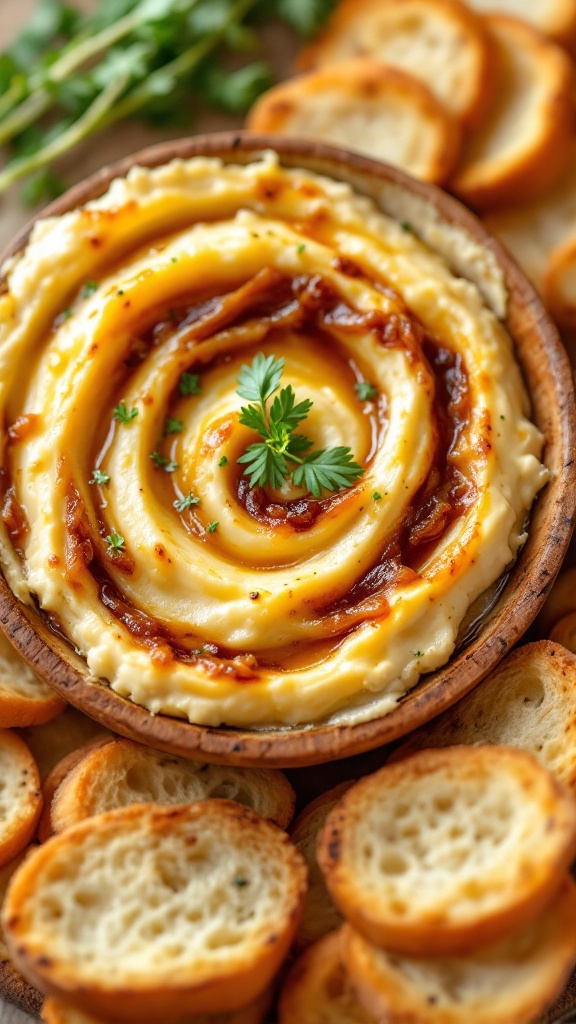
(281, 454)
(115, 542)
(98, 477)
(365, 390)
(181, 504)
(122, 414)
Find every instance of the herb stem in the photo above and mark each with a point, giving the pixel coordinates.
(181, 65)
(93, 118)
(14, 119)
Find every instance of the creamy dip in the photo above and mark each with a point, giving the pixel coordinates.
(291, 609)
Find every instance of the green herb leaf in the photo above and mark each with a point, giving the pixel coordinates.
(253, 417)
(88, 289)
(306, 16)
(328, 469)
(42, 187)
(98, 477)
(189, 384)
(159, 460)
(377, 496)
(236, 91)
(223, 461)
(173, 426)
(189, 501)
(365, 390)
(115, 542)
(212, 526)
(122, 414)
(264, 465)
(270, 461)
(284, 409)
(260, 380)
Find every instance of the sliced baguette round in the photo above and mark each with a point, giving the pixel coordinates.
(520, 149)
(554, 18)
(51, 742)
(447, 850)
(12, 985)
(121, 773)
(24, 698)
(54, 1011)
(529, 701)
(362, 105)
(442, 43)
(54, 780)
(564, 632)
(509, 982)
(20, 796)
(318, 990)
(319, 916)
(195, 906)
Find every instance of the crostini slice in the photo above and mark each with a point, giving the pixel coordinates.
(529, 701)
(196, 907)
(24, 698)
(318, 990)
(442, 43)
(509, 982)
(448, 850)
(121, 773)
(20, 796)
(520, 149)
(378, 111)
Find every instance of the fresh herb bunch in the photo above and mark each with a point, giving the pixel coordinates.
(280, 455)
(68, 75)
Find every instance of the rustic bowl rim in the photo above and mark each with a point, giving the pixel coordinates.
(530, 579)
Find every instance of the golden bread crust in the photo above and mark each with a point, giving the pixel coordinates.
(448, 849)
(197, 907)
(357, 104)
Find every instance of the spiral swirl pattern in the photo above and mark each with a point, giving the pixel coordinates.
(124, 329)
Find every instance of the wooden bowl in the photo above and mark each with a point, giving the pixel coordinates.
(549, 380)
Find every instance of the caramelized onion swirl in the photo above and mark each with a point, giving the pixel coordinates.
(253, 607)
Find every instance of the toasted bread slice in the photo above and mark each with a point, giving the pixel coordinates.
(442, 43)
(319, 916)
(378, 111)
(449, 849)
(196, 908)
(560, 601)
(24, 698)
(55, 778)
(120, 773)
(529, 701)
(12, 985)
(6, 873)
(51, 742)
(54, 1011)
(554, 18)
(20, 796)
(318, 990)
(564, 632)
(520, 148)
(510, 982)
